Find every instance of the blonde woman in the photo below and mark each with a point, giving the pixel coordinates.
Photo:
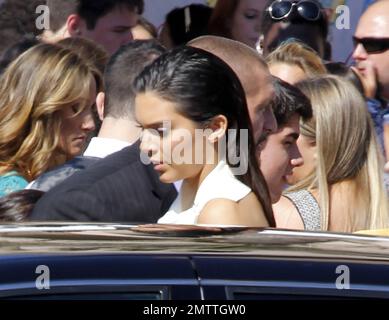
(339, 187)
(293, 61)
(46, 100)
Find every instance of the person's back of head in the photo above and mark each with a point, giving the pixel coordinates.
(342, 70)
(347, 150)
(305, 21)
(89, 50)
(18, 21)
(237, 55)
(120, 73)
(16, 206)
(184, 24)
(222, 14)
(298, 55)
(15, 50)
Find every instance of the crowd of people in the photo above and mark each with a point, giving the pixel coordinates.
(232, 115)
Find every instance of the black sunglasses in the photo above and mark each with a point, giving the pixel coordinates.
(309, 10)
(372, 45)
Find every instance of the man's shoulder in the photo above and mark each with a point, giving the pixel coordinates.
(114, 167)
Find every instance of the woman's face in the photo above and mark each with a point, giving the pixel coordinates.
(307, 148)
(168, 138)
(246, 21)
(76, 128)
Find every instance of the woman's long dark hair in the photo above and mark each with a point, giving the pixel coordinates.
(203, 86)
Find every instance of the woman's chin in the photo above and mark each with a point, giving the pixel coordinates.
(291, 180)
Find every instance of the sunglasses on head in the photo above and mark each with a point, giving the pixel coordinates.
(372, 45)
(309, 10)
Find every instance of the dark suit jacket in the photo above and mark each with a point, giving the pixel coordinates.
(50, 179)
(118, 188)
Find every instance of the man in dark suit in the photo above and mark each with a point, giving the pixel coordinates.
(118, 188)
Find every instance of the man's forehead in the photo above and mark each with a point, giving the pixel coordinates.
(373, 26)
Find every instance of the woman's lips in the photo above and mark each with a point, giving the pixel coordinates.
(80, 138)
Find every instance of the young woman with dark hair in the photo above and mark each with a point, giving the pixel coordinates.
(190, 104)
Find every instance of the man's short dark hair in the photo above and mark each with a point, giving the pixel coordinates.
(89, 10)
(288, 101)
(123, 67)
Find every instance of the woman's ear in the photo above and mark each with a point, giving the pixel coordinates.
(100, 105)
(218, 126)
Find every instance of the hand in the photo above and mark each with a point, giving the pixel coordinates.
(367, 75)
(386, 167)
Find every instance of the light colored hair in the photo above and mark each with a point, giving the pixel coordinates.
(296, 53)
(33, 91)
(347, 151)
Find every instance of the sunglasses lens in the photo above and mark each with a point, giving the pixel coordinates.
(309, 10)
(372, 45)
(280, 9)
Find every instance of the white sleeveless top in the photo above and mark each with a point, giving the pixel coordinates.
(220, 183)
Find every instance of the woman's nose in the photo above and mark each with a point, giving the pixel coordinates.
(88, 123)
(147, 144)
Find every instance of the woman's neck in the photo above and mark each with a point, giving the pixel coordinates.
(191, 185)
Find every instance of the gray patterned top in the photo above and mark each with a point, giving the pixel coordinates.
(307, 207)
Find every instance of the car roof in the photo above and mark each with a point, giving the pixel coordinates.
(105, 238)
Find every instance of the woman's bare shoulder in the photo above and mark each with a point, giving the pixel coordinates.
(248, 212)
(286, 215)
(219, 211)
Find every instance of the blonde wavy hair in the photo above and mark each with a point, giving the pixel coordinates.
(347, 152)
(33, 89)
(298, 54)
